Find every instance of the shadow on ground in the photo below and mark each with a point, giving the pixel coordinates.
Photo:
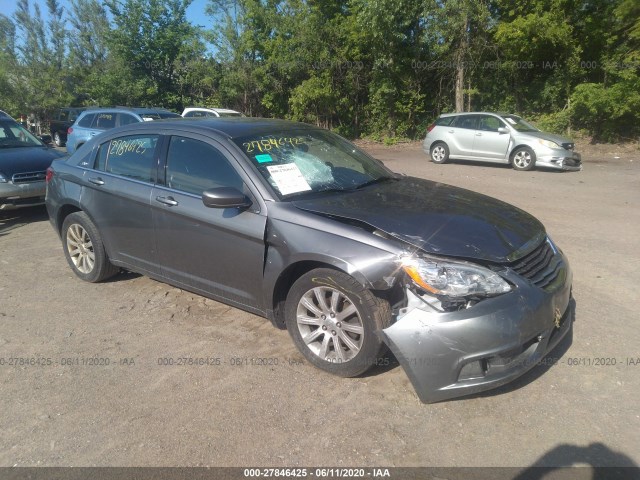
(12, 219)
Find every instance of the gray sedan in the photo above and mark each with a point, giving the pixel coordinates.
(298, 225)
(498, 138)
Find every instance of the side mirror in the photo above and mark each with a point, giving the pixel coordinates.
(503, 130)
(225, 197)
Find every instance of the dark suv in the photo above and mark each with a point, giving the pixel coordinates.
(60, 122)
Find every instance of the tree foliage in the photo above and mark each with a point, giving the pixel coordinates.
(384, 68)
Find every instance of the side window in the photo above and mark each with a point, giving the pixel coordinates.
(489, 124)
(131, 156)
(105, 120)
(194, 166)
(63, 115)
(444, 121)
(87, 120)
(73, 114)
(126, 119)
(466, 121)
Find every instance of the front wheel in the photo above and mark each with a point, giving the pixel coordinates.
(523, 159)
(333, 321)
(439, 153)
(84, 250)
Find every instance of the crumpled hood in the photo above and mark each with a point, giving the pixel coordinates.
(26, 159)
(437, 218)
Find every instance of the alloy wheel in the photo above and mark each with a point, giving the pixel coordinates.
(330, 324)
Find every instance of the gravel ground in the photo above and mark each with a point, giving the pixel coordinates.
(264, 406)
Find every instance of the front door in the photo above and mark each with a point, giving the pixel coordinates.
(489, 143)
(217, 251)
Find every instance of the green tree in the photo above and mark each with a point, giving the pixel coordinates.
(150, 43)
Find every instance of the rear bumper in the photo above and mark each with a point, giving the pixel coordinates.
(448, 355)
(18, 195)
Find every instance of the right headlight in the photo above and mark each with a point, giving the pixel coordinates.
(454, 279)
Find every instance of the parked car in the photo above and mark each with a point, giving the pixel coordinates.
(499, 138)
(198, 112)
(296, 224)
(97, 120)
(60, 122)
(24, 160)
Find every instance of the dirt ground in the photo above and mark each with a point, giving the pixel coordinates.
(101, 394)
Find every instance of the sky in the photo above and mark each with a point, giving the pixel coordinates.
(195, 12)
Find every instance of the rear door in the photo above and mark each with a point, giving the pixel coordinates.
(217, 251)
(116, 194)
(461, 135)
(489, 143)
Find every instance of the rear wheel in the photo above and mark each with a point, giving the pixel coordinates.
(333, 320)
(84, 250)
(439, 153)
(523, 158)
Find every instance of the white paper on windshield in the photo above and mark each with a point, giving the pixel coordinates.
(288, 178)
(510, 120)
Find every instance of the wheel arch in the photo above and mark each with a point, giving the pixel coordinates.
(516, 147)
(288, 277)
(63, 212)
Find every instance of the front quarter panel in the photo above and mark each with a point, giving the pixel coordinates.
(294, 237)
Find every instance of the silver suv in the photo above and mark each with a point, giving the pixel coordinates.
(499, 138)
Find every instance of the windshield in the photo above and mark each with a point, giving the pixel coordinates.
(519, 124)
(12, 134)
(159, 115)
(303, 162)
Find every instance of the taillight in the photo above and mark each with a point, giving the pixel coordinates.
(430, 127)
(49, 175)
(69, 131)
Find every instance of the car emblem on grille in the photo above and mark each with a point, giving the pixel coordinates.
(557, 315)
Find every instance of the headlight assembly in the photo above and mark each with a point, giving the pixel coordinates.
(453, 279)
(548, 143)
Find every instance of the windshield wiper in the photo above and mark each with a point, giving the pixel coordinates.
(374, 181)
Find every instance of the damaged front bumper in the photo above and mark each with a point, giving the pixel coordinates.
(452, 354)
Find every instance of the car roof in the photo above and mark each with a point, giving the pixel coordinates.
(231, 127)
(499, 114)
(138, 110)
(5, 115)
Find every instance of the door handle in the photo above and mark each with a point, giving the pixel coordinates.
(92, 134)
(450, 131)
(478, 134)
(167, 201)
(97, 181)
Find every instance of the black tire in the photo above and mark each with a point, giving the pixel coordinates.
(91, 245)
(57, 140)
(439, 153)
(341, 294)
(523, 159)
